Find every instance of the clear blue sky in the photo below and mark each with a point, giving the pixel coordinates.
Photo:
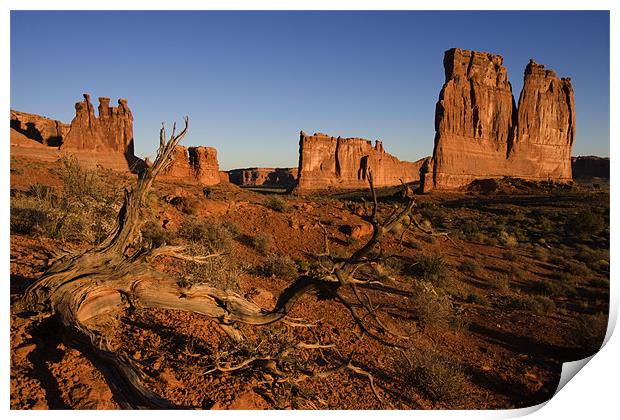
(249, 81)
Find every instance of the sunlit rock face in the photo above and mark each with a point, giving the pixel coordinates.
(194, 165)
(344, 163)
(111, 131)
(481, 133)
(105, 140)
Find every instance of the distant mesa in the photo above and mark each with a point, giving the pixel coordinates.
(327, 162)
(264, 177)
(590, 167)
(481, 133)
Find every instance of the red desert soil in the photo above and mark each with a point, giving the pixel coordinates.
(504, 349)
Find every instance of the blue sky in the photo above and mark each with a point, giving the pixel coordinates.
(249, 81)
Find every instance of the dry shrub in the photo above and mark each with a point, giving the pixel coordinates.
(431, 373)
(541, 254)
(469, 267)
(204, 238)
(507, 239)
(586, 223)
(478, 299)
(261, 242)
(83, 209)
(281, 266)
(154, 234)
(577, 268)
(208, 237)
(277, 204)
(589, 331)
(222, 272)
(396, 265)
(560, 287)
(435, 214)
(432, 268)
(537, 304)
(183, 205)
(431, 308)
(233, 228)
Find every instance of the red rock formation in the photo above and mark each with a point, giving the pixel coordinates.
(194, 164)
(545, 127)
(203, 161)
(40, 129)
(105, 141)
(473, 119)
(343, 163)
(268, 177)
(224, 178)
(112, 131)
(480, 134)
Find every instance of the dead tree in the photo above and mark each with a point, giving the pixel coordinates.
(86, 291)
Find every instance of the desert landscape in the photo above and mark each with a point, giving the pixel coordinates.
(356, 280)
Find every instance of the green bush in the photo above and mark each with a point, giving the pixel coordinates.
(600, 282)
(595, 259)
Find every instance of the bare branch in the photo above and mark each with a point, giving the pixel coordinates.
(361, 371)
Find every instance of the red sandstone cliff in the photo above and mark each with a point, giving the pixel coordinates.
(194, 164)
(43, 130)
(545, 126)
(106, 140)
(480, 132)
(343, 163)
